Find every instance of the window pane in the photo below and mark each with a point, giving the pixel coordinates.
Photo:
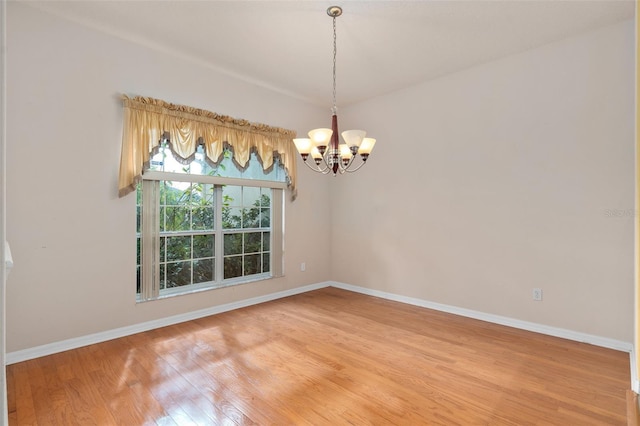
(251, 217)
(266, 241)
(232, 244)
(177, 193)
(203, 246)
(252, 264)
(252, 242)
(203, 270)
(265, 218)
(163, 254)
(138, 279)
(231, 218)
(178, 248)
(195, 193)
(266, 264)
(178, 274)
(177, 218)
(208, 194)
(250, 196)
(265, 197)
(232, 195)
(163, 191)
(202, 218)
(168, 194)
(232, 267)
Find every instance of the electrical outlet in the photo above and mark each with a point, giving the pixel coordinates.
(303, 266)
(537, 294)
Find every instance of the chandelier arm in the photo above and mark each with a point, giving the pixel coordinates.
(343, 168)
(317, 169)
(351, 160)
(347, 170)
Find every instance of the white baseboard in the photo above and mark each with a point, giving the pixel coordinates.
(497, 319)
(65, 345)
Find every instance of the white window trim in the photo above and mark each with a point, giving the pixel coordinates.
(151, 227)
(216, 180)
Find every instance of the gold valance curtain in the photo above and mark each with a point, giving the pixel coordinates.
(147, 121)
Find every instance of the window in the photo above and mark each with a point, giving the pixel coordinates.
(200, 229)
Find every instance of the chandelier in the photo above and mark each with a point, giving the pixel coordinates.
(323, 145)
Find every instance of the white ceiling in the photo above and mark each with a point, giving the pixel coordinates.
(382, 45)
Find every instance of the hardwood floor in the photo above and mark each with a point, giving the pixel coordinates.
(328, 357)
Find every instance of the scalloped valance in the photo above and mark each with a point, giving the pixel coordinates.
(147, 121)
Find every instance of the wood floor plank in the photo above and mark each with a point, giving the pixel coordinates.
(633, 409)
(327, 357)
(18, 383)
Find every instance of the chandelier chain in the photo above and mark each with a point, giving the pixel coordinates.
(335, 108)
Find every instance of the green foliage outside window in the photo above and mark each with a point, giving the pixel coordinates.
(187, 222)
(246, 253)
(189, 208)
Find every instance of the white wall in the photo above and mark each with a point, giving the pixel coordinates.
(511, 171)
(73, 240)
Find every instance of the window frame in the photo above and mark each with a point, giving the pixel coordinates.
(150, 234)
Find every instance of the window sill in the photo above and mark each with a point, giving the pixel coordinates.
(176, 292)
